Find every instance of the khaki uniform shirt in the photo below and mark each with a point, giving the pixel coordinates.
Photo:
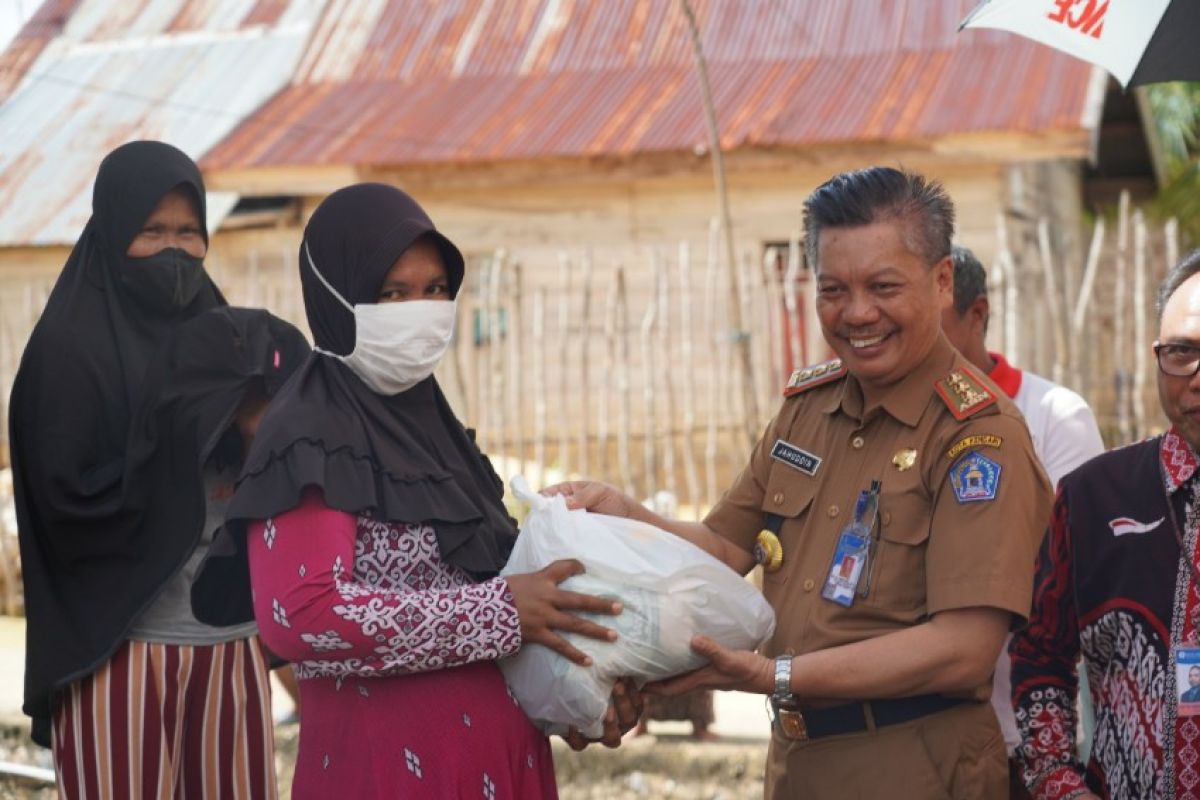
(938, 548)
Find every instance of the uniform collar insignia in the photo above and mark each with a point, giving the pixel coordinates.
(812, 376)
(964, 393)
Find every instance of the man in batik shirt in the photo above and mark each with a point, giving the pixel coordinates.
(1117, 583)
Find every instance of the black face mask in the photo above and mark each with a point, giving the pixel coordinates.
(164, 283)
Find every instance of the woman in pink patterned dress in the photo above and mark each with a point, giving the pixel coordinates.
(377, 531)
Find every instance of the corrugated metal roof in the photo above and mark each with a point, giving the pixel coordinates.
(390, 82)
(260, 83)
(102, 73)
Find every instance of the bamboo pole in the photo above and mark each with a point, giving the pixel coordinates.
(610, 365)
(585, 364)
(1046, 260)
(649, 415)
(564, 361)
(662, 374)
(1120, 314)
(1081, 378)
(775, 326)
(713, 378)
(624, 390)
(1171, 234)
(482, 333)
(690, 472)
(797, 358)
(718, 161)
(497, 330)
(1141, 333)
(539, 386)
(1008, 270)
(513, 383)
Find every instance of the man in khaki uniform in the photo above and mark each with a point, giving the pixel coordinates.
(903, 508)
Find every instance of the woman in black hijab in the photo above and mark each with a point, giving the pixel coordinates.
(123, 431)
(378, 529)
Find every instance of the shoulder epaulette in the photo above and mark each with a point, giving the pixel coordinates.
(806, 378)
(964, 393)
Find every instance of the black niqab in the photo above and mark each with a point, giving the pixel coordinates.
(88, 558)
(399, 458)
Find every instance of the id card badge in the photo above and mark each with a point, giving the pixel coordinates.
(847, 568)
(1187, 679)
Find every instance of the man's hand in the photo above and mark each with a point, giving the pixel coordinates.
(542, 608)
(596, 496)
(739, 670)
(623, 713)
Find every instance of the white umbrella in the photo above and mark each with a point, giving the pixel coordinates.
(1138, 41)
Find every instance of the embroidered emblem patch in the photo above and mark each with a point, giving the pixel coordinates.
(1123, 525)
(795, 457)
(974, 478)
(963, 393)
(980, 440)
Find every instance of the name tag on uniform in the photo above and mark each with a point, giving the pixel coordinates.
(796, 457)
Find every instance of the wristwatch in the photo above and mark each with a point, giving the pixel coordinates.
(782, 696)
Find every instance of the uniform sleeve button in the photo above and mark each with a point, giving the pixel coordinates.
(857, 442)
(809, 583)
(833, 511)
(886, 517)
(778, 498)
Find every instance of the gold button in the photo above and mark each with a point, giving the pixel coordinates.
(833, 511)
(857, 442)
(886, 517)
(778, 498)
(809, 583)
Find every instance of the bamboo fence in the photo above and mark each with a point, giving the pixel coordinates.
(632, 372)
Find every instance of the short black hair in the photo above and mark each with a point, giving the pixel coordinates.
(1189, 266)
(877, 194)
(970, 279)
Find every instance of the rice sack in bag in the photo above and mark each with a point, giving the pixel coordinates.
(670, 590)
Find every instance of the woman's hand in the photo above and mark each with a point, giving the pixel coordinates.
(624, 711)
(596, 496)
(542, 608)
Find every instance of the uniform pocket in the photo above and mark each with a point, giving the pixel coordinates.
(898, 563)
(789, 494)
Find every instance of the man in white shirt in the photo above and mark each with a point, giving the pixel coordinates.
(1061, 424)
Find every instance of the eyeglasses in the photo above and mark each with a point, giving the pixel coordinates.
(1180, 360)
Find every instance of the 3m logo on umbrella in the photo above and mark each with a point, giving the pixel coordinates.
(1085, 16)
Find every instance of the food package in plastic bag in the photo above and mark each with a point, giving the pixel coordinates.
(670, 591)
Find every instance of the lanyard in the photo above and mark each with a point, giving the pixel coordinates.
(1187, 558)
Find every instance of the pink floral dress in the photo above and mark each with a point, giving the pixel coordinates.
(394, 649)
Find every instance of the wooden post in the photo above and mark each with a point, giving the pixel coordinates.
(1008, 269)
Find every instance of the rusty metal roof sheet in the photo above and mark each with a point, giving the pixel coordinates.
(392, 82)
(92, 74)
(260, 83)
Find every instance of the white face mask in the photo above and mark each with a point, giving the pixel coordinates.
(396, 345)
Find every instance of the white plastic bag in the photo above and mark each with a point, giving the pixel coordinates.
(670, 589)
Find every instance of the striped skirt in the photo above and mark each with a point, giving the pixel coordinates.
(168, 722)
